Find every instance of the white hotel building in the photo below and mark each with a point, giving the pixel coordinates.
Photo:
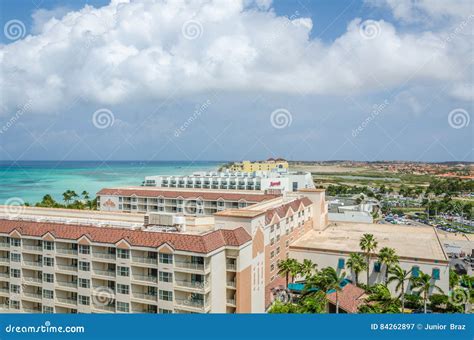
(283, 181)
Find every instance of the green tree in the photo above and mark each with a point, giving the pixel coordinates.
(356, 264)
(307, 268)
(389, 258)
(424, 284)
(368, 244)
(380, 301)
(453, 279)
(288, 267)
(400, 276)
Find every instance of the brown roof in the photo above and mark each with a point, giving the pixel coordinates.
(281, 211)
(350, 297)
(185, 242)
(202, 193)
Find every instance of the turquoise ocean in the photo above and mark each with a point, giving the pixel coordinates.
(31, 180)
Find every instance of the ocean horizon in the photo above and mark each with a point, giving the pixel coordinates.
(31, 180)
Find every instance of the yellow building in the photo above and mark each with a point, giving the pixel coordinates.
(269, 164)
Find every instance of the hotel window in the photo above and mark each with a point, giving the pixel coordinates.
(272, 267)
(84, 283)
(84, 266)
(15, 289)
(48, 277)
(15, 257)
(415, 271)
(278, 225)
(123, 271)
(166, 258)
(435, 273)
(48, 310)
(48, 294)
(340, 264)
(272, 241)
(15, 272)
(165, 277)
(83, 249)
(123, 289)
(272, 229)
(15, 242)
(48, 245)
(287, 243)
(278, 250)
(84, 300)
(166, 295)
(377, 267)
(48, 261)
(123, 253)
(272, 254)
(278, 238)
(164, 311)
(123, 307)
(14, 304)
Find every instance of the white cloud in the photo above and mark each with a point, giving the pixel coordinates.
(137, 51)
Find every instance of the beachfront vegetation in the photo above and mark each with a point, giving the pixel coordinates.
(71, 201)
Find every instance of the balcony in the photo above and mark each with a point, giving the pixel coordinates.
(66, 251)
(231, 267)
(190, 265)
(4, 307)
(67, 268)
(5, 275)
(231, 284)
(194, 304)
(192, 284)
(104, 255)
(67, 301)
(104, 308)
(231, 302)
(32, 310)
(66, 284)
(4, 260)
(4, 291)
(32, 248)
(107, 273)
(145, 278)
(146, 260)
(31, 279)
(4, 245)
(142, 296)
(35, 264)
(34, 296)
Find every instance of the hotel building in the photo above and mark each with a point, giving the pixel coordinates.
(268, 165)
(73, 261)
(176, 201)
(236, 180)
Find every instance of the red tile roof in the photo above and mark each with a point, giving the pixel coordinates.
(350, 297)
(185, 242)
(281, 211)
(200, 193)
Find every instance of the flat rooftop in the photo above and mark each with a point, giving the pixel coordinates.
(408, 241)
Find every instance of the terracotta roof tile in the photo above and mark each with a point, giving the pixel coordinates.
(281, 211)
(185, 242)
(350, 297)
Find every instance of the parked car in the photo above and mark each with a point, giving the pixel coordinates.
(460, 269)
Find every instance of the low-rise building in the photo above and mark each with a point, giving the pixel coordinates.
(269, 164)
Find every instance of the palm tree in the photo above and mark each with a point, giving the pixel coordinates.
(424, 285)
(388, 257)
(399, 276)
(287, 267)
(356, 263)
(368, 244)
(67, 195)
(380, 300)
(333, 282)
(85, 195)
(307, 268)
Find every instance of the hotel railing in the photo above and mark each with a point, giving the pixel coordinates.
(201, 304)
(191, 284)
(66, 251)
(109, 273)
(231, 266)
(231, 284)
(104, 308)
(67, 267)
(4, 290)
(33, 263)
(5, 275)
(32, 295)
(231, 302)
(4, 260)
(139, 259)
(32, 310)
(35, 248)
(67, 284)
(145, 278)
(4, 245)
(67, 301)
(190, 265)
(32, 279)
(104, 255)
(149, 297)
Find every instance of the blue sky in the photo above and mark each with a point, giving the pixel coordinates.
(310, 80)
